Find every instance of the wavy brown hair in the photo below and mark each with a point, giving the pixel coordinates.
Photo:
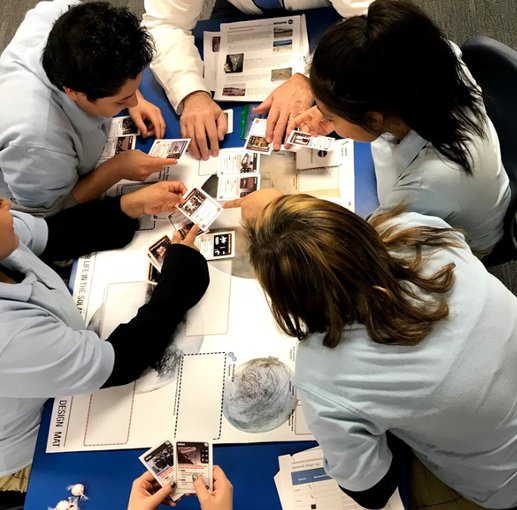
(323, 268)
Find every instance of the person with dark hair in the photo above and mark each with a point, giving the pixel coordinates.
(392, 78)
(404, 336)
(46, 349)
(179, 69)
(68, 69)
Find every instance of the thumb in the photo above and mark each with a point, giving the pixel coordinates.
(160, 495)
(201, 490)
(161, 162)
(222, 126)
(264, 106)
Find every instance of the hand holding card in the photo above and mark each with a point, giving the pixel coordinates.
(200, 208)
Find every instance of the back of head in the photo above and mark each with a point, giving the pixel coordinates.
(324, 267)
(396, 61)
(95, 48)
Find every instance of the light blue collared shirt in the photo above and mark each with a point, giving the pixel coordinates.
(45, 349)
(46, 141)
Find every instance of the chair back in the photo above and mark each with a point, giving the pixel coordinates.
(494, 67)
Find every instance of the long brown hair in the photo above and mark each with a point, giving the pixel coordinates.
(324, 267)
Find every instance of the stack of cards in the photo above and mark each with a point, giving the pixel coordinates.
(238, 174)
(121, 137)
(157, 251)
(256, 140)
(320, 143)
(177, 462)
(169, 148)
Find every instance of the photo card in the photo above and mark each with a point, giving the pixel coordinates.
(181, 224)
(256, 140)
(159, 461)
(323, 143)
(200, 208)
(230, 187)
(217, 245)
(157, 252)
(169, 148)
(238, 161)
(191, 458)
(122, 126)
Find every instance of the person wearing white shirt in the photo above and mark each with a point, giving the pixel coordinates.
(179, 69)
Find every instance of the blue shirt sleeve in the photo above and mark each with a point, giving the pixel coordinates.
(32, 231)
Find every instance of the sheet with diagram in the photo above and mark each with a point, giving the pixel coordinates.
(227, 373)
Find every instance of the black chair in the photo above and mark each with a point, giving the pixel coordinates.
(494, 67)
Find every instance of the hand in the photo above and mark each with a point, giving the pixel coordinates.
(135, 165)
(254, 203)
(311, 121)
(286, 101)
(146, 494)
(153, 199)
(147, 117)
(201, 119)
(190, 238)
(221, 498)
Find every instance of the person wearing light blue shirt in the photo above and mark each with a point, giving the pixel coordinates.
(57, 101)
(45, 348)
(402, 333)
(391, 78)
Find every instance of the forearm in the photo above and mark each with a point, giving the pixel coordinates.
(141, 342)
(95, 183)
(85, 228)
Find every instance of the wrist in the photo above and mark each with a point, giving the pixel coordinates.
(131, 206)
(195, 95)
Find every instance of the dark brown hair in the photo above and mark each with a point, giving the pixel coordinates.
(396, 61)
(323, 268)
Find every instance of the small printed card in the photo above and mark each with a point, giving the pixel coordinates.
(181, 224)
(237, 161)
(157, 251)
(164, 148)
(322, 143)
(217, 245)
(122, 126)
(229, 120)
(230, 187)
(200, 208)
(256, 141)
(159, 461)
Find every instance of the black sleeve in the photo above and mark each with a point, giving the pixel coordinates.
(85, 228)
(140, 343)
(378, 495)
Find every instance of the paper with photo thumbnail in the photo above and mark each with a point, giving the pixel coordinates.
(169, 148)
(230, 187)
(122, 126)
(256, 141)
(200, 208)
(238, 161)
(116, 145)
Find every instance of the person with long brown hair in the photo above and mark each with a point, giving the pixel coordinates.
(403, 333)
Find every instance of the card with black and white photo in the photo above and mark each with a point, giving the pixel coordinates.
(323, 143)
(238, 161)
(200, 208)
(256, 141)
(217, 245)
(157, 252)
(230, 187)
(169, 148)
(122, 126)
(193, 458)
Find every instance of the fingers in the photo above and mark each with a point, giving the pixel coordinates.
(279, 131)
(155, 163)
(144, 477)
(140, 124)
(177, 187)
(190, 238)
(272, 118)
(159, 125)
(219, 476)
(213, 136)
(176, 238)
(201, 141)
(201, 490)
(161, 494)
(264, 106)
(231, 204)
(222, 126)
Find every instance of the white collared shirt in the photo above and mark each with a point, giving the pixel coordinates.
(177, 65)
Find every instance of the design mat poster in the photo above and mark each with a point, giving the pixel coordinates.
(226, 375)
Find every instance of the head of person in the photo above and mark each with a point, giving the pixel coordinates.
(96, 53)
(394, 67)
(8, 239)
(323, 268)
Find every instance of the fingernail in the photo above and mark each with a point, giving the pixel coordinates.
(173, 485)
(194, 477)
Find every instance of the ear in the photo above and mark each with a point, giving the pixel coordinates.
(378, 120)
(73, 94)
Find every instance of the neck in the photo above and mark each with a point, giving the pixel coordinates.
(397, 127)
(4, 278)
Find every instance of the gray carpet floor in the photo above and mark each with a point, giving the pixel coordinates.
(459, 19)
